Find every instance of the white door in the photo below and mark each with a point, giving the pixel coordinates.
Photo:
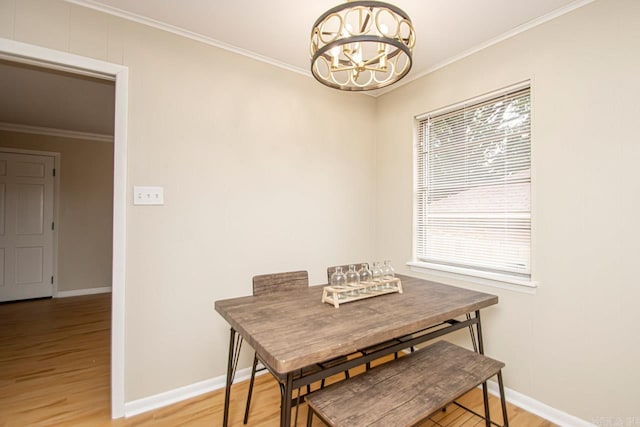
(26, 226)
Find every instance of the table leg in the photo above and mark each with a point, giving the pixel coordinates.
(235, 345)
(503, 401)
(479, 329)
(485, 397)
(473, 335)
(285, 402)
(485, 390)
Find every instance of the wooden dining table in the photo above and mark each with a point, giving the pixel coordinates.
(293, 330)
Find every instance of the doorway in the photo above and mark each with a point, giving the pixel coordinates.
(21, 52)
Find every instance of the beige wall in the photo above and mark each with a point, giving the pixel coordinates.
(263, 170)
(85, 206)
(573, 344)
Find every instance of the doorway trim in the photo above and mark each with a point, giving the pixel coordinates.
(50, 58)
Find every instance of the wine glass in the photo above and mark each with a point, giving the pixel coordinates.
(353, 279)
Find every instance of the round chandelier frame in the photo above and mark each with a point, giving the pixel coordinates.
(362, 45)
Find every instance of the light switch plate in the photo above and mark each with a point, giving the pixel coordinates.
(148, 195)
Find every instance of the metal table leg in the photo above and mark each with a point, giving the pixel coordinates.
(473, 335)
(485, 390)
(503, 401)
(235, 345)
(285, 402)
(479, 333)
(485, 397)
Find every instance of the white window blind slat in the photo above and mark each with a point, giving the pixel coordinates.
(473, 186)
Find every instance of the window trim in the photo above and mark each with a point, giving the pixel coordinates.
(471, 275)
(471, 101)
(528, 284)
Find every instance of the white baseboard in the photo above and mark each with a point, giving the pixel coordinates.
(538, 408)
(150, 403)
(79, 292)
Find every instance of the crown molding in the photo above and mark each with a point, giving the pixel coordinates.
(64, 133)
(91, 4)
(502, 37)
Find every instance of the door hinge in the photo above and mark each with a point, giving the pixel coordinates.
(53, 225)
(54, 171)
(52, 280)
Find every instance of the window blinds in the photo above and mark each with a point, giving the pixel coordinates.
(473, 186)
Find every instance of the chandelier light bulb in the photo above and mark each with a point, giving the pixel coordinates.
(357, 57)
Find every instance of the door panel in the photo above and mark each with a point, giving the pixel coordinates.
(26, 216)
(3, 187)
(29, 209)
(29, 263)
(29, 170)
(1, 267)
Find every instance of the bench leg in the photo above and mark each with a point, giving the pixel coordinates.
(503, 401)
(309, 416)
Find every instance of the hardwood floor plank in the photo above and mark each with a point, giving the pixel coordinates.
(55, 371)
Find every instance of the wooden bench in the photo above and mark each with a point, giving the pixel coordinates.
(406, 391)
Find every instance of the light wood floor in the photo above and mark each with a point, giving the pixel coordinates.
(54, 371)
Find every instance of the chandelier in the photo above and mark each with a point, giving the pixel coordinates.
(362, 45)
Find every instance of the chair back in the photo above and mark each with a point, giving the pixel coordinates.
(345, 268)
(278, 282)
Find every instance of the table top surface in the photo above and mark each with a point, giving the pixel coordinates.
(294, 329)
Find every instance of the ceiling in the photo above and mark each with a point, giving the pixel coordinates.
(43, 98)
(278, 30)
(275, 31)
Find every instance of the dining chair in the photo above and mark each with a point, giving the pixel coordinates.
(268, 284)
(272, 283)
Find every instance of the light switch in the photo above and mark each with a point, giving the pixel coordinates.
(148, 195)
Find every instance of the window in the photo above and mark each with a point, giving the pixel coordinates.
(473, 179)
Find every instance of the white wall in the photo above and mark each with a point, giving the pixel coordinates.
(260, 167)
(573, 344)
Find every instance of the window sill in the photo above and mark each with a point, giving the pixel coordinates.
(502, 281)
